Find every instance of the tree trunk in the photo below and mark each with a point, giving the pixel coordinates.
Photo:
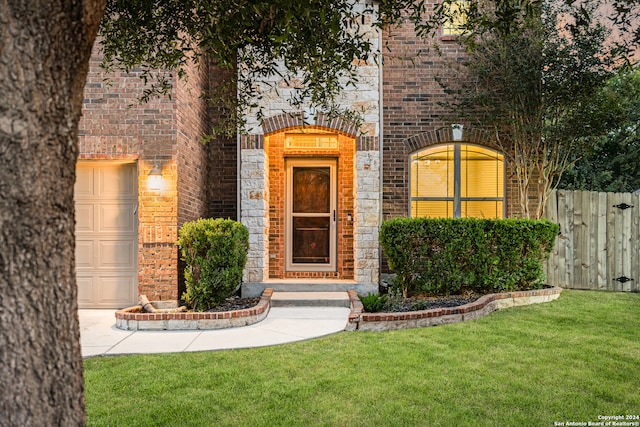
(44, 52)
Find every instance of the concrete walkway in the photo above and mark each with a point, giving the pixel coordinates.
(99, 336)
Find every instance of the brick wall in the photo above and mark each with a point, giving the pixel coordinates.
(192, 155)
(116, 126)
(412, 112)
(223, 156)
(167, 130)
(411, 106)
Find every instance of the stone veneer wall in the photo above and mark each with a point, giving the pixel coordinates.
(255, 208)
(367, 217)
(363, 98)
(262, 186)
(265, 259)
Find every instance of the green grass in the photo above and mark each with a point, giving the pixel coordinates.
(569, 360)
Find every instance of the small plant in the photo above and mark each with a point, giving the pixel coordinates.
(389, 302)
(215, 253)
(373, 303)
(395, 300)
(421, 304)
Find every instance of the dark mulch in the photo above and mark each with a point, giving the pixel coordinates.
(427, 303)
(237, 303)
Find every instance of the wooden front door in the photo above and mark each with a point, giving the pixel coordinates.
(311, 215)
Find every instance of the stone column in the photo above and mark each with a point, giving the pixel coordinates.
(367, 213)
(254, 212)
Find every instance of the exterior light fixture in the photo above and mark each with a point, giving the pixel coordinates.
(309, 114)
(155, 177)
(457, 131)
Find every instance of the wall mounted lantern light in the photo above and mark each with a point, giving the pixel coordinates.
(155, 176)
(457, 131)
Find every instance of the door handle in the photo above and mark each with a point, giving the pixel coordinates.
(334, 215)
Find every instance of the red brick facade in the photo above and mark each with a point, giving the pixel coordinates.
(414, 116)
(202, 180)
(116, 126)
(222, 197)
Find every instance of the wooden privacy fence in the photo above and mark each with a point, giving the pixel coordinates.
(599, 242)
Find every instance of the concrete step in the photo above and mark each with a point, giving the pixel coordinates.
(310, 299)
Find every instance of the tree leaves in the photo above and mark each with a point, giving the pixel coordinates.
(319, 42)
(532, 74)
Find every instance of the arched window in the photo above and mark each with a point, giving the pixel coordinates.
(457, 180)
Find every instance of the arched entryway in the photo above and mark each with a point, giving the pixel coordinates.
(310, 197)
(311, 203)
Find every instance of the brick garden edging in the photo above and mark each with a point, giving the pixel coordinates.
(361, 321)
(133, 319)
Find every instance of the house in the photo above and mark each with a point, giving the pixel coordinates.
(313, 190)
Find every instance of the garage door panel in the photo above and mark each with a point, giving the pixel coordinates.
(116, 254)
(117, 217)
(84, 182)
(116, 290)
(117, 182)
(85, 290)
(84, 217)
(84, 254)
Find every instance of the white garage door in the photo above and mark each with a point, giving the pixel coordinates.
(106, 198)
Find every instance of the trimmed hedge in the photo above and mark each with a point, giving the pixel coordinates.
(215, 253)
(449, 256)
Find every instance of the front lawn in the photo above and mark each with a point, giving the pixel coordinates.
(571, 360)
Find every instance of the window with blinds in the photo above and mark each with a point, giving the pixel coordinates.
(457, 180)
(455, 17)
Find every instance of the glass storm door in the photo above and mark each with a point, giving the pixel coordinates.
(311, 215)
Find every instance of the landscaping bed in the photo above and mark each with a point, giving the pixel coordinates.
(363, 321)
(236, 303)
(442, 311)
(398, 304)
(231, 314)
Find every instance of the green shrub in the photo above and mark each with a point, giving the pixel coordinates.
(448, 256)
(373, 303)
(215, 253)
